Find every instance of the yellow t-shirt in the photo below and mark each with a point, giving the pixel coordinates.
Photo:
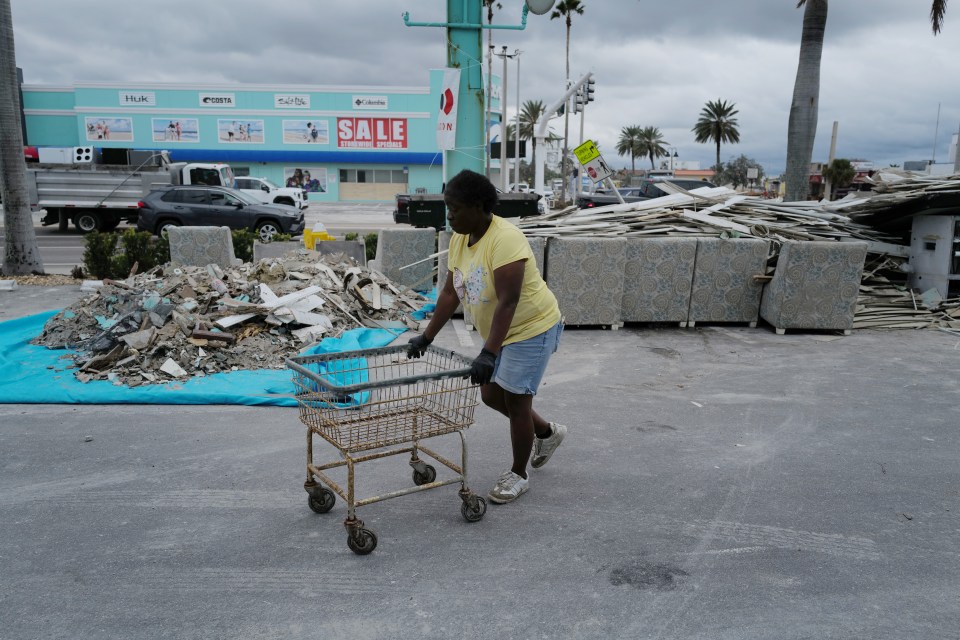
(473, 268)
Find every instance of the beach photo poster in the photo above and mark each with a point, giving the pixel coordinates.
(240, 130)
(175, 129)
(311, 180)
(306, 132)
(109, 129)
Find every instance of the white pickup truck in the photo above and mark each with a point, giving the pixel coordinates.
(269, 193)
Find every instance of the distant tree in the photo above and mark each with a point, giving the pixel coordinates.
(717, 124)
(802, 127)
(735, 172)
(532, 111)
(20, 253)
(652, 144)
(566, 9)
(840, 173)
(629, 144)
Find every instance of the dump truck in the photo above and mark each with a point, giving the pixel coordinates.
(97, 197)
(429, 210)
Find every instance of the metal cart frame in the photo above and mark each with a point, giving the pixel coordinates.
(367, 402)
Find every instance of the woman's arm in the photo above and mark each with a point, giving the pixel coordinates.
(447, 301)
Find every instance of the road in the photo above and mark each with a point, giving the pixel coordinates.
(61, 251)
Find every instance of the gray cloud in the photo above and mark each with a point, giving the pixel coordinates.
(656, 64)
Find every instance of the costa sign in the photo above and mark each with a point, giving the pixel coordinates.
(372, 133)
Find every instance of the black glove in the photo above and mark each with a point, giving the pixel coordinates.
(417, 345)
(481, 371)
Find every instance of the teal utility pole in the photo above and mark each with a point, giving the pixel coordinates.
(464, 51)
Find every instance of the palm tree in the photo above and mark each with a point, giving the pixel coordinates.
(531, 111)
(717, 124)
(802, 128)
(565, 9)
(629, 144)
(839, 173)
(20, 255)
(652, 144)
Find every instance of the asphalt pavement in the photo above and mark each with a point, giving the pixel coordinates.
(718, 482)
(61, 251)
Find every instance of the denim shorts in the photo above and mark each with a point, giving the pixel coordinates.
(521, 365)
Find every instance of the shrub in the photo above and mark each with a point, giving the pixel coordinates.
(370, 245)
(112, 255)
(98, 250)
(243, 244)
(136, 248)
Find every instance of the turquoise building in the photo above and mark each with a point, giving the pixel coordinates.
(341, 143)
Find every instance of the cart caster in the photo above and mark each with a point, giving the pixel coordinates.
(474, 512)
(428, 475)
(362, 542)
(321, 500)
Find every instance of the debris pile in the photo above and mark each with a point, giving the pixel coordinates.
(172, 323)
(879, 218)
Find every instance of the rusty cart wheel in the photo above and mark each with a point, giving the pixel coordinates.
(363, 543)
(321, 500)
(475, 513)
(429, 475)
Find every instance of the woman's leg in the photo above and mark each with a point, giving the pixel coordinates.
(493, 395)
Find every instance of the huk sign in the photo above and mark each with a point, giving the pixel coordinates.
(372, 133)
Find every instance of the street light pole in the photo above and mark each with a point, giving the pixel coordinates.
(516, 128)
(503, 123)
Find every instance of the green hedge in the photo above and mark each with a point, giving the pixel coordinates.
(113, 254)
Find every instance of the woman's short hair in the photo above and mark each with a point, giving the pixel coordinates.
(470, 186)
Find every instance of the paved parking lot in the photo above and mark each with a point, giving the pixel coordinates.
(717, 483)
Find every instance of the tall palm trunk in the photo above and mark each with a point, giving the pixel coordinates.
(802, 129)
(718, 154)
(20, 255)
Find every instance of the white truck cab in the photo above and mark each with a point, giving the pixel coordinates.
(269, 193)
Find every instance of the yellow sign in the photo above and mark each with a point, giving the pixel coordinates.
(587, 152)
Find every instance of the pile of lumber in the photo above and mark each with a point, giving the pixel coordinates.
(885, 301)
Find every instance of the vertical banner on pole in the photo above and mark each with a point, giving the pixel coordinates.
(447, 116)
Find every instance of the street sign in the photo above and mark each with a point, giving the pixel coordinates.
(593, 165)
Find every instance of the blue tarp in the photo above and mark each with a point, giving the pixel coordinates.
(32, 374)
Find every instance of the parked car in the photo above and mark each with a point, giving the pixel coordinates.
(602, 197)
(193, 205)
(266, 192)
(651, 190)
(646, 190)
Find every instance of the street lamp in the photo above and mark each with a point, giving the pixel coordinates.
(672, 156)
(504, 167)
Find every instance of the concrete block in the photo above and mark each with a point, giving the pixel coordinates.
(200, 246)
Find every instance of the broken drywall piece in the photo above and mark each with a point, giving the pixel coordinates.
(171, 368)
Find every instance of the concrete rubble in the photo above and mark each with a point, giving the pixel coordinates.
(173, 323)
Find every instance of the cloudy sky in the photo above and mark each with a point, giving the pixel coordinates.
(883, 77)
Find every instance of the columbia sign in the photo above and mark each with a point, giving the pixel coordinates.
(370, 102)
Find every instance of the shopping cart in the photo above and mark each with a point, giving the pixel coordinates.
(366, 403)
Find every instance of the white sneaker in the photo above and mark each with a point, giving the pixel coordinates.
(509, 487)
(543, 448)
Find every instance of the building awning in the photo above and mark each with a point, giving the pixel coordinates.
(307, 157)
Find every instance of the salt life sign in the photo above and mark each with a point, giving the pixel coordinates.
(372, 133)
(291, 101)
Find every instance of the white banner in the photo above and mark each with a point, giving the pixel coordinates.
(447, 116)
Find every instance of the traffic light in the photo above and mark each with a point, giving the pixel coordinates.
(588, 90)
(578, 101)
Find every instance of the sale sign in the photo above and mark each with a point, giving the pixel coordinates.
(372, 133)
